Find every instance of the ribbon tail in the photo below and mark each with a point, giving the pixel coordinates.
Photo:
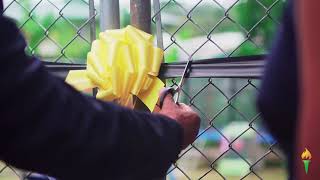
(106, 95)
(150, 97)
(79, 80)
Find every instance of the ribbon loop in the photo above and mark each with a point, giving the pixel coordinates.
(122, 63)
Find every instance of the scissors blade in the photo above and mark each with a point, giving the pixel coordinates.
(182, 80)
(157, 9)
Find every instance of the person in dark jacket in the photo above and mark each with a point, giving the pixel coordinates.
(278, 98)
(48, 127)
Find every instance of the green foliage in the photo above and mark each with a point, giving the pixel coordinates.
(245, 14)
(251, 16)
(59, 35)
(171, 55)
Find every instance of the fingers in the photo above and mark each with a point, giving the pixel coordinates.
(169, 102)
(167, 98)
(183, 114)
(162, 91)
(185, 107)
(156, 109)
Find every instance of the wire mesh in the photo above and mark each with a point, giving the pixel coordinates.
(206, 29)
(232, 135)
(231, 132)
(45, 21)
(247, 26)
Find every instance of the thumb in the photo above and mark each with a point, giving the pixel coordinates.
(168, 98)
(185, 107)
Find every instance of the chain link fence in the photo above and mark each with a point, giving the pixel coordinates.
(45, 21)
(232, 143)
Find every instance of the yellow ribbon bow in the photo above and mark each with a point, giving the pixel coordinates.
(122, 63)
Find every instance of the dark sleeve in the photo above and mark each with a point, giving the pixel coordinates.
(278, 98)
(48, 127)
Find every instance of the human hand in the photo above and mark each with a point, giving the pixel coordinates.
(184, 115)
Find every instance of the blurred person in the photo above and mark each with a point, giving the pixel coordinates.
(278, 97)
(289, 87)
(46, 126)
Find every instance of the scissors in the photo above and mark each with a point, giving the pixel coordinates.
(177, 90)
(168, 90)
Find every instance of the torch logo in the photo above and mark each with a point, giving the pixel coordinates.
(306, 159)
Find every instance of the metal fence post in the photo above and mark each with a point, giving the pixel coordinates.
(141, 18)
(140, 11)
(157, 18)
(92, 15)
(92, 30)
(109, 18)
(109, 14)
(141, 14)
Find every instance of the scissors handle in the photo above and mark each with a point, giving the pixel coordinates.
(166, 91)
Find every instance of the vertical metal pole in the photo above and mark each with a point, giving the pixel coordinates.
(109, 17)
(92, 17)
(156, 8)
(109, 14)
(157, 12)
(141, 18)
(140, 11)
(141, 14)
